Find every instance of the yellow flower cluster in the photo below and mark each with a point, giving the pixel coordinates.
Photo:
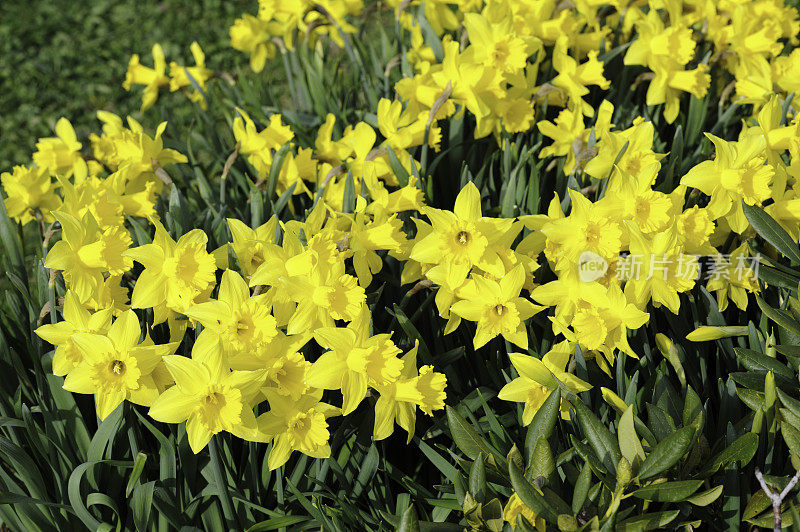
(522, 53)
(251, 341)
(281, 22)
(613, 248)
(179, 76)
(356, 156)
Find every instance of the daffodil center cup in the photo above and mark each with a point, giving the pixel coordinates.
(117, 367)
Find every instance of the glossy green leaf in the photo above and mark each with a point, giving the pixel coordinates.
(667, 453)
(669, 491)
(772, 232)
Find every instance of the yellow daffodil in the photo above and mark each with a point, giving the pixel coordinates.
(733, 277)
(461, 235)
(115, 366)
(29, 188)
(739, 172)
(181, 76)
(240, 322)
(497, 307)
(61, 155)
(538, 378)
(152, 78)
(258, 146)
(354, 360)
(251, 34)
(176, 274)
(248, 244)
(85, 253)
(658, 270)
(573, 78)
(76, 319)
(399, 398)
(208, 396)
(296, 426)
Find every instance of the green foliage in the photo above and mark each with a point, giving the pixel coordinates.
(65, 58)
(699, 417)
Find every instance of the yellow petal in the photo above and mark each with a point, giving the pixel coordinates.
(199, 435)
(173, 406)
(468, 203)
(189, 374)
(107, 401)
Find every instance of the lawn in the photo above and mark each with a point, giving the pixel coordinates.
(68, 58)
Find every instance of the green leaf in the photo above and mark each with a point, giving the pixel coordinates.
(349, 199)
(445, 467)
(11, 243)
(667, 453)
(759, 502)
(477, 479)
(706, 497)
(142, 504)
(668, 491)
(600, 438)
(741, 450)
(542, 463)
(629, 443)
(767, 520)
(465, 436)
(275, 523)
(772, 232)
(693, 409)
(544, 420)
(397, 167)
(26, 470)
(581, 488)
(755, 361)
(74, 491)
(791, 436)
(411, 331)
(366, 471)
(530, 495)
(408, 521)
(789, 402)
(653, 521)
(138, 467)
(780, 317)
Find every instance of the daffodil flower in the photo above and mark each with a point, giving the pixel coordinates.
(181, 76)
(497, 307)
(27, 189)
(660, 270)
(538, 378)
(733, 277)
(115, 366)
(85, 253)
(152, 78)
(61, 155)
(76, 319)
(461, 235)
(175, 274)
(739, 172)
(355, 360)
(399, 398)
(251, 34)
(296, 425)
(241, 323)
(208, 396)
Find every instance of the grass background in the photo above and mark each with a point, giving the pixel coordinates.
(68, 58)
